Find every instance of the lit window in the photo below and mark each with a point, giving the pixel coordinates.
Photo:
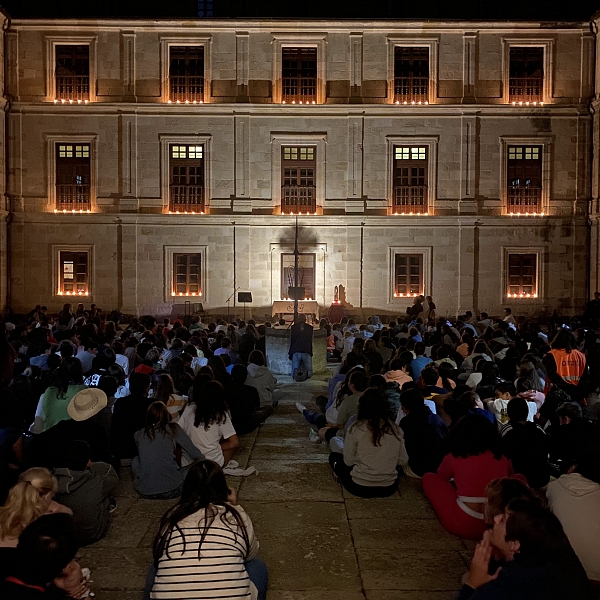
(73, 177)
(522, 276)
(408, 271)
(524, 179)
(186, 183)
(187, 275)
(410, 172)
(298, 189)
(73, 274)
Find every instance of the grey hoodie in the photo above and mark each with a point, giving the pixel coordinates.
(87, 493)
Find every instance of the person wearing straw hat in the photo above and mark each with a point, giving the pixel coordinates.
(47, 447)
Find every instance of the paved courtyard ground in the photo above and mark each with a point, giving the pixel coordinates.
(318, 541)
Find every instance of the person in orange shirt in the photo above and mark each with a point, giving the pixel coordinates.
(566, 366)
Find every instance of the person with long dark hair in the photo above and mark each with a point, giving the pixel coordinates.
(207, 422)
(206, 543)
(157, 469)
(373, 449)
(474, 459)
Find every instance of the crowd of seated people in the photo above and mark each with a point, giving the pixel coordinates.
(499, 421)
(82, 397)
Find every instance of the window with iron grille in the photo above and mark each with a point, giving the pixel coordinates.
(73, 274)
(186, 183)
(299, 76)
(187, 275)
(522, 275)
(410, 179)
(186, 73)
(526, 74)
(408, 271)
(524, 179)
(411, 75)
(72, 72)
(73, 176)
(298, 189)
(306, 275)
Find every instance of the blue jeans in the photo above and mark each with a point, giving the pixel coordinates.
(256, 569)
(302, 357)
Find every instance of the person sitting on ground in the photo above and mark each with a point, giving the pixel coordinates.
(87, 489)
(347, 407)
(129, 415)
(418, 364)
(474, 459)
(46, 448)
(505, 391)
(526, 444)
(228, 350)
(375, 359)
(398, 370)
(391, 391)
(466, 403)
(575, 499)
(207, 422)
(158, 473)
(541, 563)
(373, 449)
(42, 565)
(204, 526)
(244, 403)
(430, 378)
(29, 499)
(526, 390)
(67, 380)
(219, 369)
(424, 434)
(260, 378)
(164, 391)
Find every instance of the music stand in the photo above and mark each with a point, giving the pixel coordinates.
(243, 298)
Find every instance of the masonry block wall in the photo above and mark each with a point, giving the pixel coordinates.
(464, 241)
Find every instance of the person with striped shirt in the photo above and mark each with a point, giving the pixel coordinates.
(206, 547)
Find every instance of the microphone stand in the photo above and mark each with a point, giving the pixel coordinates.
(228, 300)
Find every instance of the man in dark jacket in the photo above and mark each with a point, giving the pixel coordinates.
(301, 345)
(424, 434)
(86, 488)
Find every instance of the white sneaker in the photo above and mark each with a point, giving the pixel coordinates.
(301, 408)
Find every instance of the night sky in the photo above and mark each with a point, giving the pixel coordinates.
(537, 10)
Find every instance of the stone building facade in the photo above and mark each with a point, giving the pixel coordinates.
(153, 163)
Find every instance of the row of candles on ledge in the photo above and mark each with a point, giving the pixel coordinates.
(60, 293)
(186, 294)
(291, 300)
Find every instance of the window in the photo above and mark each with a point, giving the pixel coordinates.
(186, 74)
(73, 277)
(72, 72)
(410, 179)
(524, 179)
(298, 190)
(522, 276)
(186, 181)
(187, 275)
(73, 168)
(526, 74)
(411, 75)
(408, 275)
(205, 8)
(299, 75)
(306, 275)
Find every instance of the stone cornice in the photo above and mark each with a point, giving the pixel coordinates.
(285, 110)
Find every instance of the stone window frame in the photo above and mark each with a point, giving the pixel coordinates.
(168, 258)
(545, 141)
(278, 140)
(548, 45)
(540, 253)
(165, 60)
(184, 139)
(51, 43)
(427, 253)
(51, 142)
(427, 42)
(299, 40)
(431, 142)
(56, 250)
